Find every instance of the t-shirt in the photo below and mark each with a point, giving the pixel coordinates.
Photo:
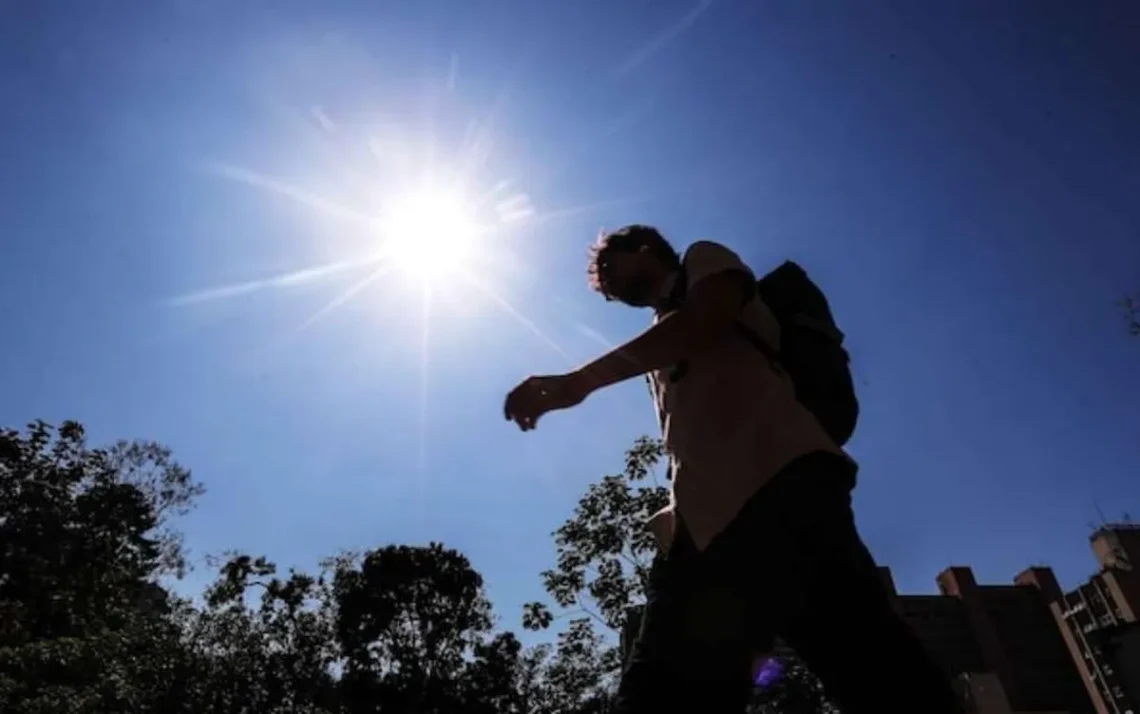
(730, 420)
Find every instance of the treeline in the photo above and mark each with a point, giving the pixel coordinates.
(89, 623)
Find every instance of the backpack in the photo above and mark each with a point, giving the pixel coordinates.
(811, 347)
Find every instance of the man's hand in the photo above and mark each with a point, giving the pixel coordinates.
(538, 395)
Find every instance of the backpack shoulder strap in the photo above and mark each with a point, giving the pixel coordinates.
(760, 344)
(677, 297)
(826, 328)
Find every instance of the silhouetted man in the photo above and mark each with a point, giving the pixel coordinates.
(760, 535)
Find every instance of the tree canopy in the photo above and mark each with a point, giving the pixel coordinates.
(90, 621)
(1131, 307)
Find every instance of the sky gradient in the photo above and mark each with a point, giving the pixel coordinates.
(961, 177)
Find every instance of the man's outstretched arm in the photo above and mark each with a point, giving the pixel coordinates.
(711, 307)
(719, 286)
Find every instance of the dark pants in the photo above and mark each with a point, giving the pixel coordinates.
(790, 565)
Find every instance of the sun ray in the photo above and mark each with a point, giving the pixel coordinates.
(425, 354)
(343, 297)
(478, 144)
(594, 335)
(494, 192)
(514, 208)
(297, 277)
(272, 185)
(433, 223)
(669, 34)
(499, 300)
(554, 214)
(313, 129)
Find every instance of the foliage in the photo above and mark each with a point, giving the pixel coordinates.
(84, 535)
(604, 549)
(89, 624)
(1131, 307)
(604, 552)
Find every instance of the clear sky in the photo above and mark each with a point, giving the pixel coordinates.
(962, 177)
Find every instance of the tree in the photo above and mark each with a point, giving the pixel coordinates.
(84, 537)
(407, 628)
(408, 619)
(1131, 307)
(604, 549)
(275, 657)
(86, 625)
(604, 552)
(88, 540)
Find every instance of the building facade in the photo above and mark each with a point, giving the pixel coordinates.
(1098, 621)
(999, 643)
(1029, 646)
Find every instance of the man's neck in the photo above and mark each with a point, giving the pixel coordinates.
(665, 291)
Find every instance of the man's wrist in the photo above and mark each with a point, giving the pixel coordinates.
(589, 379)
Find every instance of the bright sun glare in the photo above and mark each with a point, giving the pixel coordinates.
(439, 215)
(429, 232)
(440, 223)
(437, 211)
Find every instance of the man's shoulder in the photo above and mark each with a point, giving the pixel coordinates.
(703, 248)
(706, 257)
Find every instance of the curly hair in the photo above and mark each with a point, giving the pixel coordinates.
(628, 239)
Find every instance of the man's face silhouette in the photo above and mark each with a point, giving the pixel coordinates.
(633, 278)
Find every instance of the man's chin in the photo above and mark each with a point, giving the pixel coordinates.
(637, 302)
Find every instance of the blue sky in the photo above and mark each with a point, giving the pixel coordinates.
(960, 176)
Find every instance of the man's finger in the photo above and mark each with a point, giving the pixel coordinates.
(511, 404)
(526, 402)
(518, 411)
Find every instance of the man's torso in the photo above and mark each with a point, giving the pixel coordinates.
(730, 420)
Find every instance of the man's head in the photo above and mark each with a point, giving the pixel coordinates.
(631, 265)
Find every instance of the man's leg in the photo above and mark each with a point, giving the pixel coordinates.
(690, 654)
(835, 611)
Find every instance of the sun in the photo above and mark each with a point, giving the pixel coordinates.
(429, 232)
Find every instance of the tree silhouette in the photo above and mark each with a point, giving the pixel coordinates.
(88, 545)
(1131, 307)
(87, 539)
(84, 537)
(407, 618)
(604, 552)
